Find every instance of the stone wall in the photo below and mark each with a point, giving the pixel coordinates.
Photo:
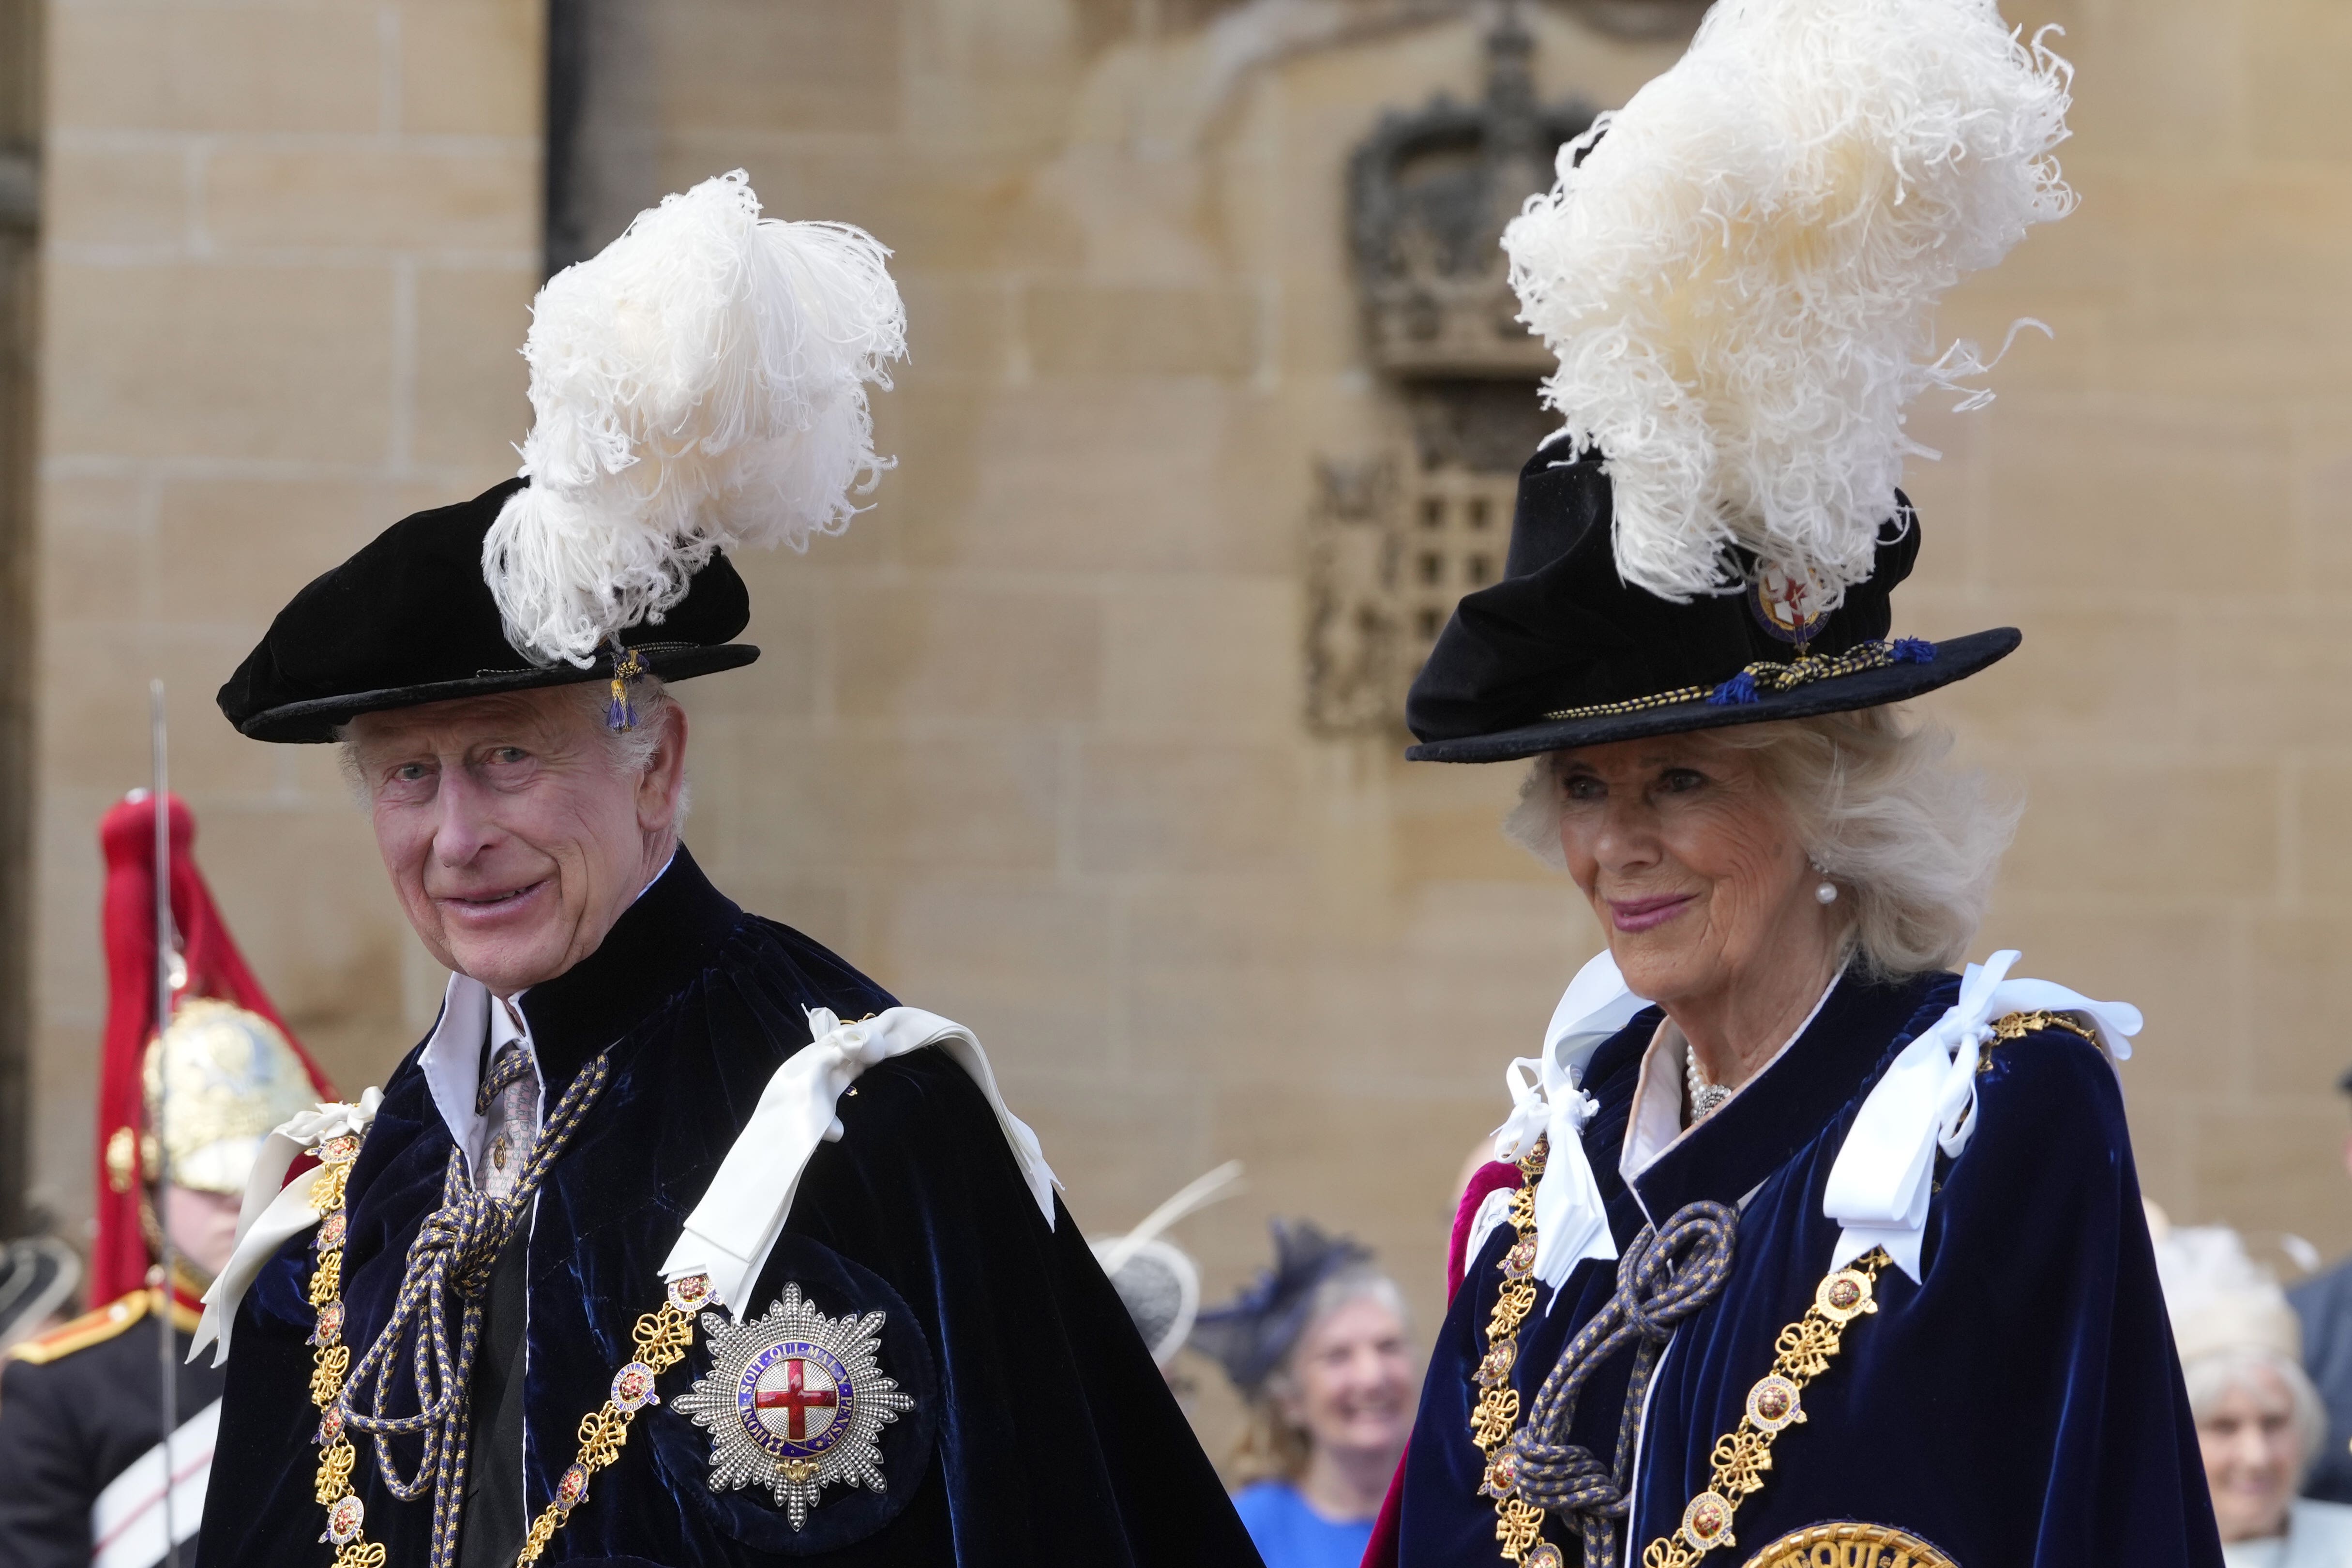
(289, 254)
(1028, 743)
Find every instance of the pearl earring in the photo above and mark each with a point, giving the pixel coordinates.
(1826, 892)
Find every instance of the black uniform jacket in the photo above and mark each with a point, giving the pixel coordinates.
(72, 1422)
(2324, 1302)
(1041, 1432)
(2018, 1406)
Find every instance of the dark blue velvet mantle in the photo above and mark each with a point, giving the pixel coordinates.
(2018, 1407)
(1043, 1434)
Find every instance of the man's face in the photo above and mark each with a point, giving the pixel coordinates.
(513, 837)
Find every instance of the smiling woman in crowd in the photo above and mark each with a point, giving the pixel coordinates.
(2259, 1424)
(1317, 1348)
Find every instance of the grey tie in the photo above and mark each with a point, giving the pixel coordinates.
(509, 1103)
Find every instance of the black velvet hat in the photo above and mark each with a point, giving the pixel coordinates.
(410, 619)
(1562, 652)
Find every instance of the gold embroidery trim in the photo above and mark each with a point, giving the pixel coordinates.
(1742, 1455)
(662, 1339)
(1766, 675)
(1517, 1524)
(2016, 1026)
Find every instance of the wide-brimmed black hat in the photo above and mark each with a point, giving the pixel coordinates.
(1563, 652)
(410, 620)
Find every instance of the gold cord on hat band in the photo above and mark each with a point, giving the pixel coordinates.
(1768, 676)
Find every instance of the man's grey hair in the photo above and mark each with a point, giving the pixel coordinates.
(2210, 1378)
(1912, 842)
(631, 750)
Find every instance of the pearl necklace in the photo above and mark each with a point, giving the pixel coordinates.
(1705, 1093)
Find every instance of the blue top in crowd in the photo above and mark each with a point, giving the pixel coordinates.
(1289, 1534)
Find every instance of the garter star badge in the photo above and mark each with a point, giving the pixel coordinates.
(1788, 602)
(795, 1402)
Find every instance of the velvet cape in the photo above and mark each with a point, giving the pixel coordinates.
(1042, 1431)
(2020, 1407)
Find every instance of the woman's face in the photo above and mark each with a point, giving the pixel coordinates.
(1690, 862)
(1351, 1383)
(2252, 1455)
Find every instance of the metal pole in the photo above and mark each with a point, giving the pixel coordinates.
(166, 1349)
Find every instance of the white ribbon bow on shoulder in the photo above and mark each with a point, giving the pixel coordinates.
(1548, 1100)
(274, 1211)
(1879, 1187)
(734, 1229)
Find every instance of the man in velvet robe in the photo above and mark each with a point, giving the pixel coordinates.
(537, 853)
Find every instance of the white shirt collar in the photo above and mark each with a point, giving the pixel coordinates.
(1655, 1122)
(452, 1059)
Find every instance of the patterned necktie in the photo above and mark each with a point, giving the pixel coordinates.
(507, 1102)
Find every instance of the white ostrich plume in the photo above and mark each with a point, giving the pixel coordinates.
(698, 385)
(1740, 276)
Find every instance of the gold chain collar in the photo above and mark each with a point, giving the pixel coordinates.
(662, 1339)
(1740, 1457)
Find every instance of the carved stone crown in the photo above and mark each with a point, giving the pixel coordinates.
(1429, 194)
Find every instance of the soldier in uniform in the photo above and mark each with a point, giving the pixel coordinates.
(1800, 1248)
(82, 1465)
(678, 1241)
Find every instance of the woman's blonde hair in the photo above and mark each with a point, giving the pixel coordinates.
(1911, 841)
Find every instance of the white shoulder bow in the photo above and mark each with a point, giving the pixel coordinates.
(274, 1211)
(1548, 1100)
(1879, 1187)
(734, 1229)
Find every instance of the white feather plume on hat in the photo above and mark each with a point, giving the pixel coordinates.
(1741, 276)
(698, 385)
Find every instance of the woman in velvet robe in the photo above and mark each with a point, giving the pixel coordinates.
(1802, 1247)
(1773, 1091)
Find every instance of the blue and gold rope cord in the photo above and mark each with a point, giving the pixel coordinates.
(455, 1250)
(1667, 1274)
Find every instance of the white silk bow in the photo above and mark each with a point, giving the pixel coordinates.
(734, 1229)
(274, 1211)
(1547, 1099)
(1879, 1187)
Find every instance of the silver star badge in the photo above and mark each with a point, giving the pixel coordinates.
(795, 1402)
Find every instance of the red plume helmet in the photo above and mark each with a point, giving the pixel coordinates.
(120, 1258)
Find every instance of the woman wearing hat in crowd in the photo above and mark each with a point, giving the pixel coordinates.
(2260, 1423)
(1317, 1350)
(1807, 1248)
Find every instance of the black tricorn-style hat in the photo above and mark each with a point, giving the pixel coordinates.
(409, 619)
(1563, 652)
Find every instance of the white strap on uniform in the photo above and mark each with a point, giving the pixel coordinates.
(731, 1231)
(126, 1523)
(1548, 1098)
